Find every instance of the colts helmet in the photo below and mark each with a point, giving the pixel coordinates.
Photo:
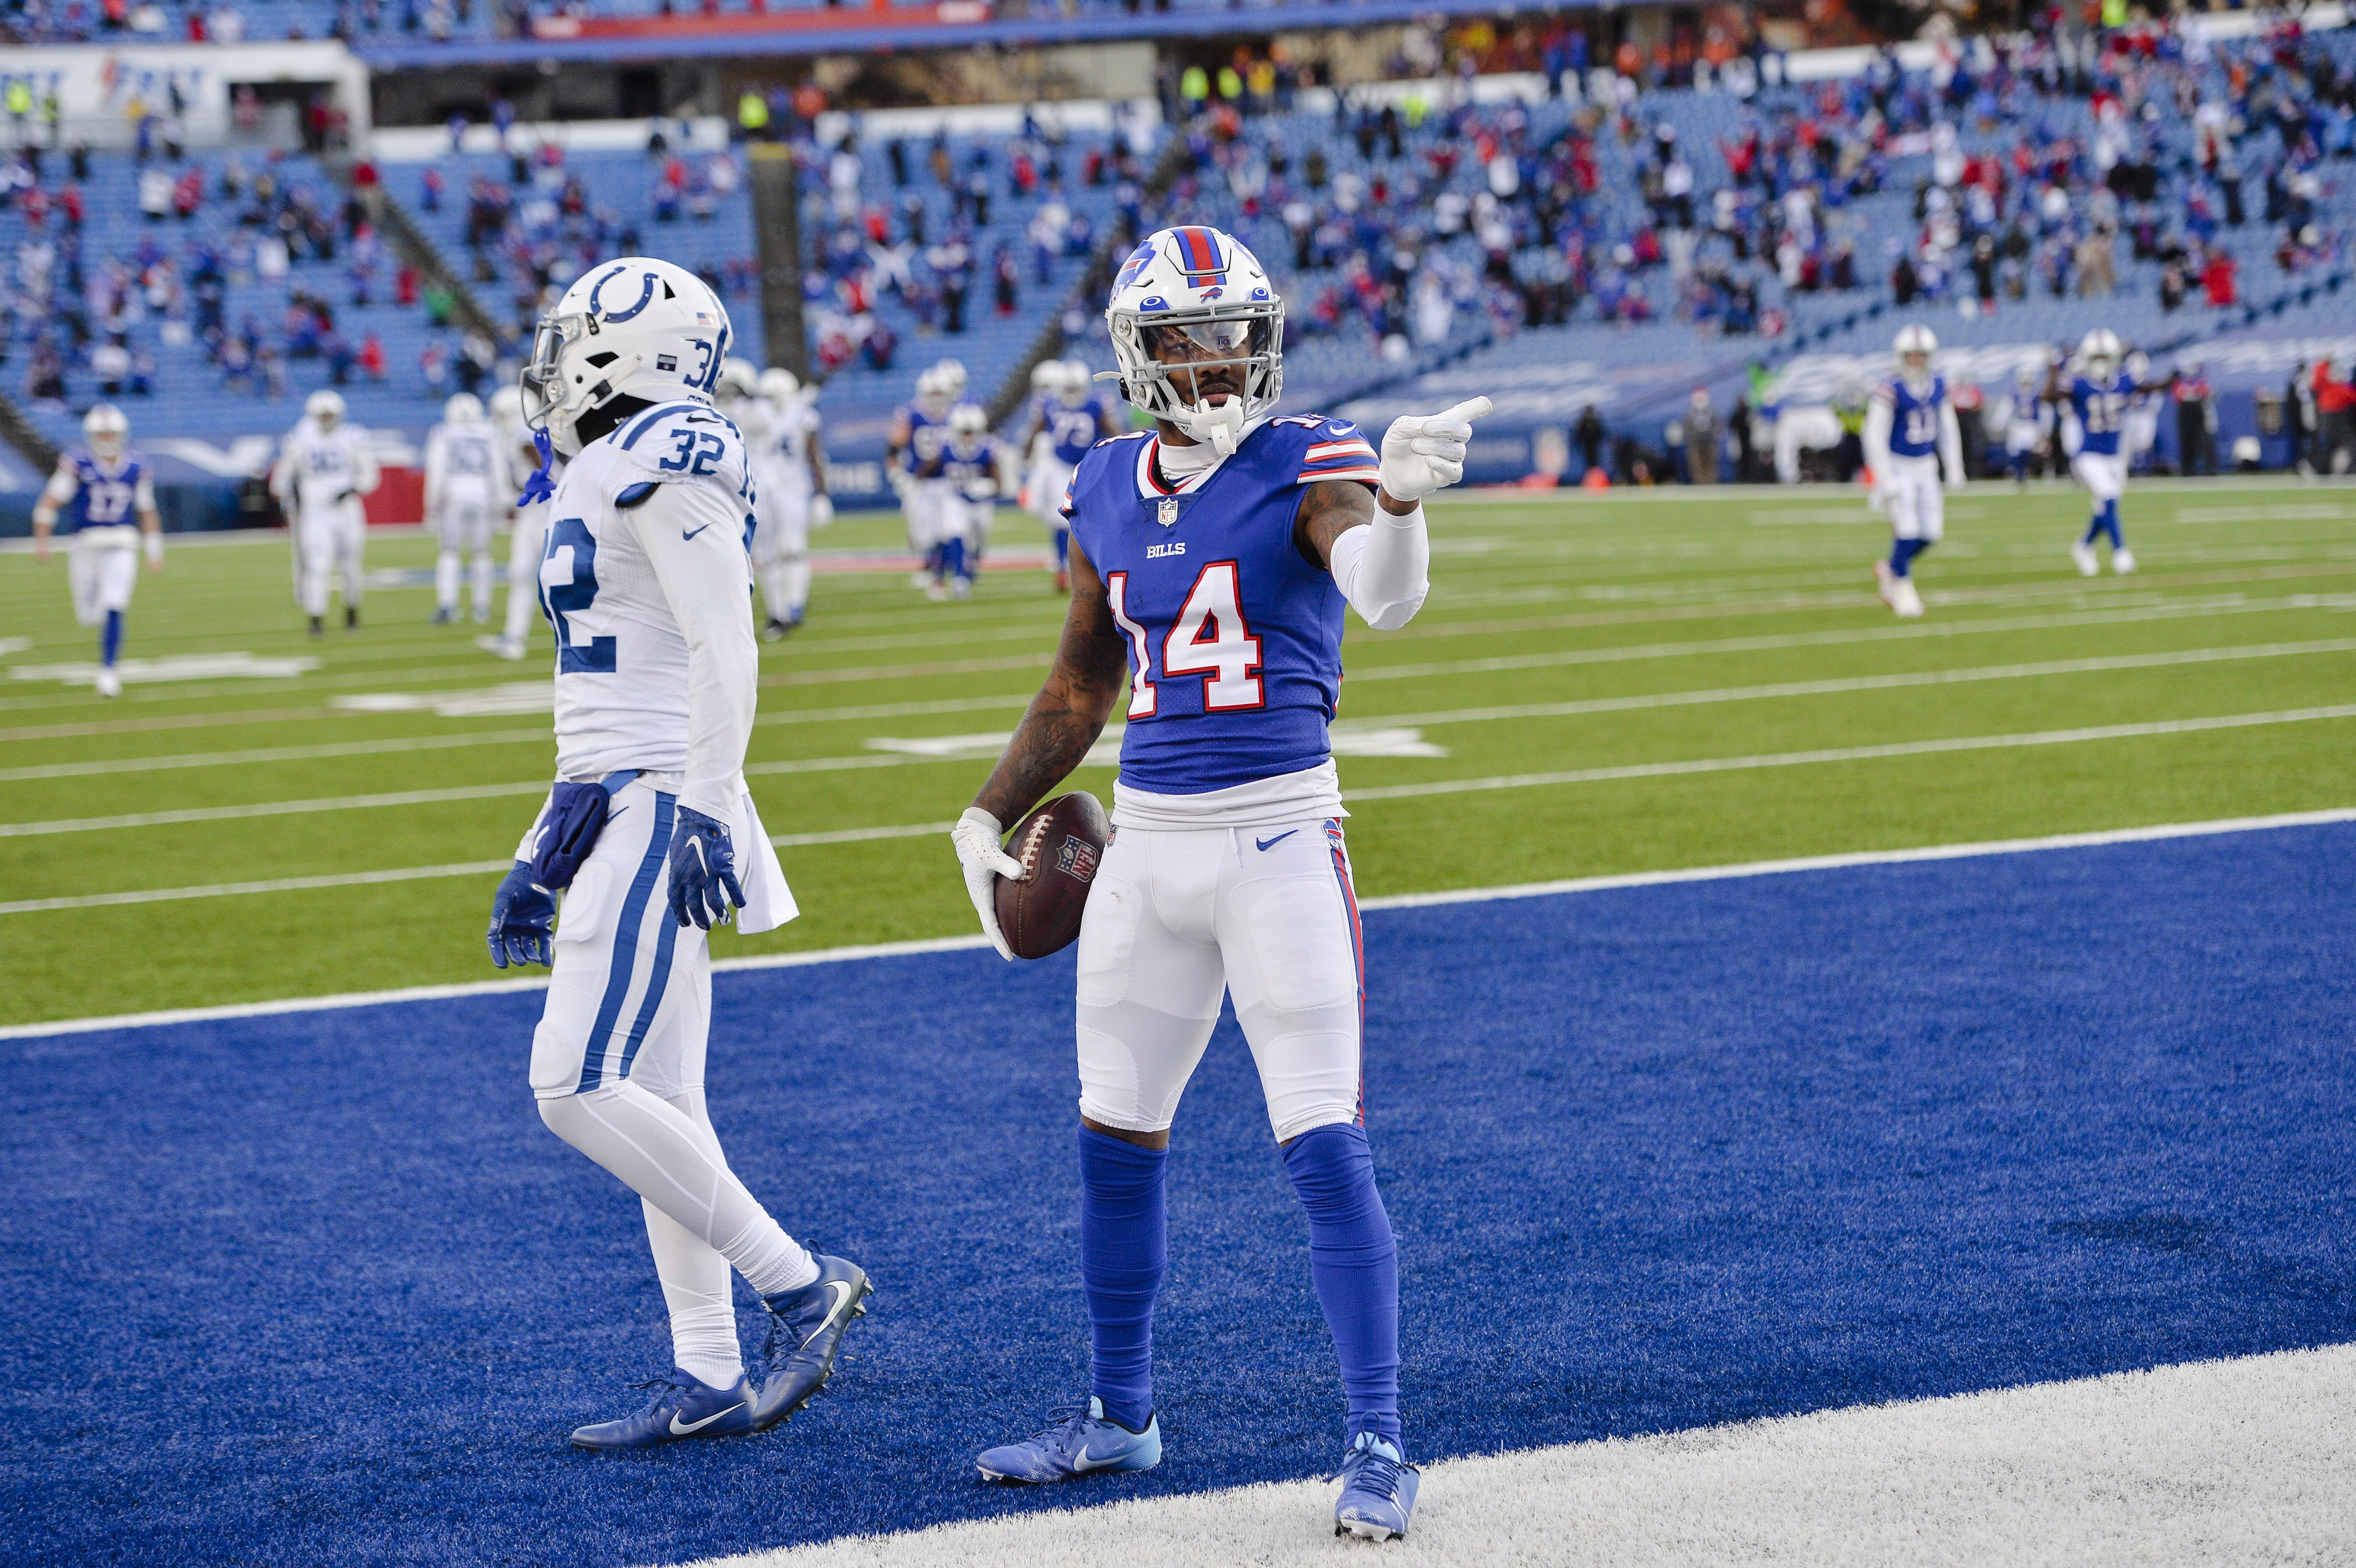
(326, 409)
(463, 408)
(1190, 300)
(1915, 347)
(506, 406)
(778, 385)
(739, 380)
(107, 429)
(2099, 351)
(636, 327)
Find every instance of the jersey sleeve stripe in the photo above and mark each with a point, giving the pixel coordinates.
(1367, 471)
(1320, 451)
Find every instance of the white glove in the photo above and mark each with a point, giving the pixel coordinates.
(1423, 453)
(1958, 482)
(821, 510)
(1877, 499)
(981, 846)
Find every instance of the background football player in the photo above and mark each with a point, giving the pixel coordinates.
(529, 525)
(324, 466)
(1211, 562)
(463, 468)
(108, 502)
(970, 470)
(2097, 395)
(790, 499)
(1066, 419)
(1909, 432)
(648, 585)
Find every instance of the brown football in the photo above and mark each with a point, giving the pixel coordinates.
(1060, 846)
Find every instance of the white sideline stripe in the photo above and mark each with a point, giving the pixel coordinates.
(1387, 901)
(1843, 754)
(1353, 741)
(2240, 1460)
(1386, 791)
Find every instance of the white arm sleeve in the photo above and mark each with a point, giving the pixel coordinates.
(1950, 444)
(56, 492)
(1879, 413)
(708, 582)
(1384, 567)
(365, 474)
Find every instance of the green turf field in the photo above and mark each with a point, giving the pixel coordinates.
(1597, 685)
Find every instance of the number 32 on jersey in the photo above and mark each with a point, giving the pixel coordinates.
(1210, 639)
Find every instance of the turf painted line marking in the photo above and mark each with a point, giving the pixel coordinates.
(1842, 755)
(2229, 1461)
(184, 667)
(1392, 901)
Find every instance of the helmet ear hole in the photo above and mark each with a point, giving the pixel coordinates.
(603, 359)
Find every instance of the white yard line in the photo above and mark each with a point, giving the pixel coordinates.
(1390, 901)
(957, 748)
(1393, 792)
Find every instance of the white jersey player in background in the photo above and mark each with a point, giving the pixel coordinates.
(108, 503)
(790, 498)
(465, 488)
(530, 536)
(324, 465)
(648, 585)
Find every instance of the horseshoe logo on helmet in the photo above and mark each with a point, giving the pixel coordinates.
(646, 296)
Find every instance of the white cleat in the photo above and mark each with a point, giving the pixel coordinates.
(937, 592)
(109, 683)
(2084, 554)
(1905, 601)
(2122, 561)
(500, 647)
(922, 580)
(1884, 580)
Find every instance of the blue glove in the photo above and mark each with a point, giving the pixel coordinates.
(703, 888)
(523, 916)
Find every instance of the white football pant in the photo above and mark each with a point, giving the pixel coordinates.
(1917, 506)
(464, 531)
(525, 547)
(328, 542)
(102, 568)
(1176, 920)
(781, 549)
(618, 1069)
(1049, 480)
(2104, 475)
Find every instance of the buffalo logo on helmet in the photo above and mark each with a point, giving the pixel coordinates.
(1139, 260)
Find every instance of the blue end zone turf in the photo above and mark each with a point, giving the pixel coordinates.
(319, 1286)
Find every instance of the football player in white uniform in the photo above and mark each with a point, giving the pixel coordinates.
(789, 482)
(1212, 562)
(466, 471)
(324, 465)
(1911, 431)
(646, 581)
(109, 503)
(529, 525)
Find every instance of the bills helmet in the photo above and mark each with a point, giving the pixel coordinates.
(2099, 352)
(107, 429)
(1915, 345)
(1198, 332)
(1071, 383)
(633, 327)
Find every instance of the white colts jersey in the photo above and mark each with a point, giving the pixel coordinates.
(788, 449)
(324, 468)
(465, 465)
(654, 515)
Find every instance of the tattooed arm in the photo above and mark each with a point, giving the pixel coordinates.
(1070, 710)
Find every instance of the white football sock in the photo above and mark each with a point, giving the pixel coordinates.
(675, 1163)
(697, 1286)
(798, 584)
(777, 592)
(445, 581)
(482, 574)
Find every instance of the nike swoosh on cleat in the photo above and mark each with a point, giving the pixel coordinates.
(693, 532)
(1081, 1467)
(1262, 843)
(838, 1288)
(678, 1431)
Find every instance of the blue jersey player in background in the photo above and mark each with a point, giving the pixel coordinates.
(1066, 419)
(102, 496)
(2098, 393)
(1212, 559)
(1911, 433)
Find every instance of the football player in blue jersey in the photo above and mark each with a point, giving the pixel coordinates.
(971, 467)
(1066, 419)
(107, 503)
(1212, 558)
(919, 427)
(1909, 432)
(2098, 395)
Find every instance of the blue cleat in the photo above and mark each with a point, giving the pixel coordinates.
(805, 1331)
(1378, 1487)
(685, 1408)
(1083, 1442)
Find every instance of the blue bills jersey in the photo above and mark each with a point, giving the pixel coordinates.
(963, 467)
(104, 497)
(1234, 637)
(2101, 409)
(1070, 431)
(925, 437)
(1914, 417)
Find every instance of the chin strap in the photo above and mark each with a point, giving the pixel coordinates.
(1221, 425)
(539, 487)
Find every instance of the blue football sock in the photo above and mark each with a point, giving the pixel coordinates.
(953, 562)
(1123, 1246)
(1063, 549)
(1354, 1260)
(2110, 519)
(111, 641)
(1903, 553)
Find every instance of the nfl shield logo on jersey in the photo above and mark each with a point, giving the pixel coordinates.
(1168, 515)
